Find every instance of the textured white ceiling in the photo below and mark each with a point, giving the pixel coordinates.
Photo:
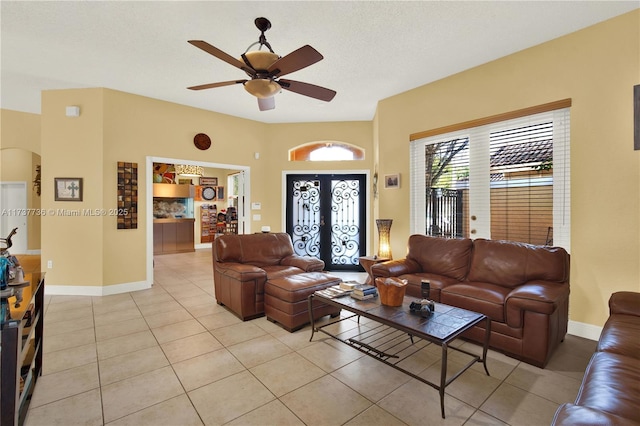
(372, 50)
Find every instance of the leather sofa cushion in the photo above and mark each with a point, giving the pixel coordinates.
(570, 414)
(621, 335)
(625, 302)
(295, 288)
(511, 264)
(611, 384)
(487, 299)
(437, 283)
(441, 256)
(257, 249)
(279, 271)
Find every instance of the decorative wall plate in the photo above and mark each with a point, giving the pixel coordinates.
(208, 193)
(202, 141)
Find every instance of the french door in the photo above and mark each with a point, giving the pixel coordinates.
(326, 218)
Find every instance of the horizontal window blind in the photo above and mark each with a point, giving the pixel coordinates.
(512, 178)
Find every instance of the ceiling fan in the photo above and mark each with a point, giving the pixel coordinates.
(265, 69)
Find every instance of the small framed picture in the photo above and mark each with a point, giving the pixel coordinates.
(209, 181)
(220, 191)
(392, 181)
(68, 189)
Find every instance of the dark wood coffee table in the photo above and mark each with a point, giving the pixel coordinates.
(394, 339)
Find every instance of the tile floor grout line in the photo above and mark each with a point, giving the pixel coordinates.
(171, 290)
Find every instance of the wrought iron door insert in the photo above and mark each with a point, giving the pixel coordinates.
(326, 218)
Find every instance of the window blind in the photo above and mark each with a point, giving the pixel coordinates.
(518, 185)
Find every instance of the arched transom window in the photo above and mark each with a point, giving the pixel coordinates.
(326, 151)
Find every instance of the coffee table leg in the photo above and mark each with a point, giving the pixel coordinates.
(311, 320)
(487, 334)
(443, 377)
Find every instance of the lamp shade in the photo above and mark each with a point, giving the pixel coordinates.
(384, 238)
(260, 60)
(262, 88)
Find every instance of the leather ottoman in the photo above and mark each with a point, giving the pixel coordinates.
(285, 300)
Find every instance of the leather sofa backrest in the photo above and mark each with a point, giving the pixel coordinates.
(256, 249)
(510, 264)
(442, 256)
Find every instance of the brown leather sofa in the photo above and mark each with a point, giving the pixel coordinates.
(610, 389)
(243, 263)
(522, 288)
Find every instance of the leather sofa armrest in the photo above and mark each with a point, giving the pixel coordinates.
(395, 268)
(625, 302)
(570, 415)
(306, 263)
(540, 297)
(241, 271)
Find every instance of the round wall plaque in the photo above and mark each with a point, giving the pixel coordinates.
(202, 141)
(208, 193)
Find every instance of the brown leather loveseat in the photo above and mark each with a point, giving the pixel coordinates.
(243, 263)
(522, 288)
(610, 389)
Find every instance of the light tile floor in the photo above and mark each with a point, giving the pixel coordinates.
(171, 356)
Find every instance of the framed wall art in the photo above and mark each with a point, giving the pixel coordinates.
(209, 181)
(68, 189)
(127, 195)
(392, 181)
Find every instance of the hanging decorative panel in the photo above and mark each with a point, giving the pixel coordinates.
(127, 195)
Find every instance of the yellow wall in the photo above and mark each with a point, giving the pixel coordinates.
(19, 165)
(73, 147)
(115, 126)
(19, 130)
(19, 155)
(597, 68)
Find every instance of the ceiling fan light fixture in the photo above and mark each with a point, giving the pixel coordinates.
(262, 87)
(261, 60)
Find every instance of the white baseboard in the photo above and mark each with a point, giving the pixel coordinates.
(203, 246)
(587, 331)
(87, 290)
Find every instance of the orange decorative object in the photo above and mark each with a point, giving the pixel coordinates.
(391, 290)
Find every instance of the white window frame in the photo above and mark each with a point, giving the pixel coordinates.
(479, 172)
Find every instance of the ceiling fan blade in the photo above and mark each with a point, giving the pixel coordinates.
(212, 85)
(266, 104)
(212, 50)
(295, 61)
(307, 89)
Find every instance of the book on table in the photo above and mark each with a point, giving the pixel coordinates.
(364, 290)
(333, 292)
(363, 297)
(349, 285)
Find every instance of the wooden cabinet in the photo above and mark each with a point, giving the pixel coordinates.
(173, 236)
(21, 353)
(184, 236)
(157, 238)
